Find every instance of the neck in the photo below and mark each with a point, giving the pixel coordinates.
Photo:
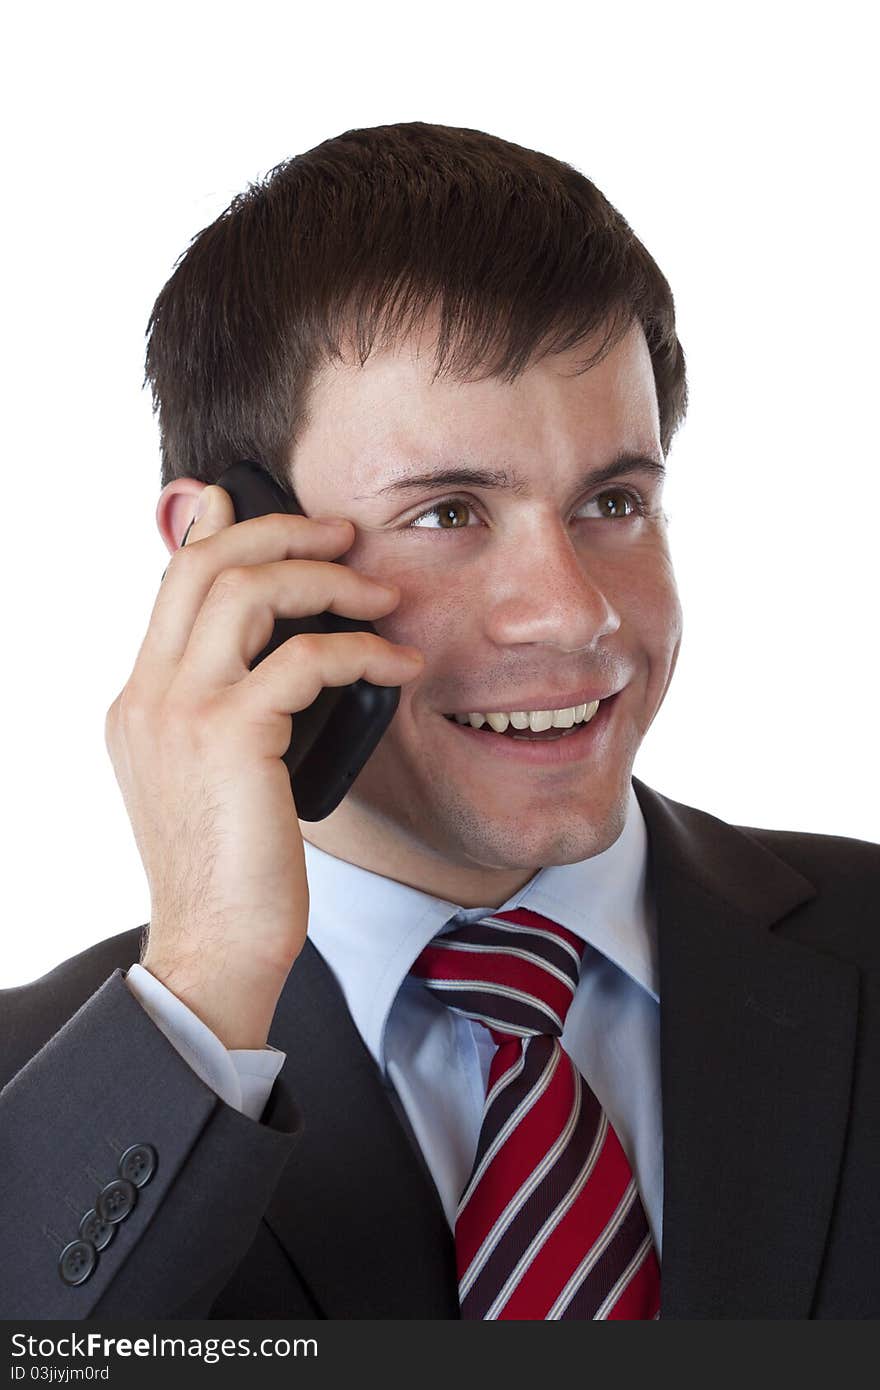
(387, 852)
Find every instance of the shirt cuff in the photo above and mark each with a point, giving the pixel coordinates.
(242, 1077)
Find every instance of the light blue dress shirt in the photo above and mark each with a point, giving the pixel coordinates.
(370, 930)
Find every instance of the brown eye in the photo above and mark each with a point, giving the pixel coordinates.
(615, 503)
(452, 514)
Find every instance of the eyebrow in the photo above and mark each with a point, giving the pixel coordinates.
(507, 480)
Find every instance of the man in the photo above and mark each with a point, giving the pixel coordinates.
(306, 1092)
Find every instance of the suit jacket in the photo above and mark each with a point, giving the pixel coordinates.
(770, 1072)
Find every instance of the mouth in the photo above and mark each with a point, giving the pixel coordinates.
(552, 736)
(531, 724)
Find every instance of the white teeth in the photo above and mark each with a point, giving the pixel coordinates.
(536, 720)
(499, 722)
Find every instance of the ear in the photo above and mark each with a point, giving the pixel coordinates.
(176, 508)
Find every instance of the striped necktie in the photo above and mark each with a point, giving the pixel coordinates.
(550, 1224)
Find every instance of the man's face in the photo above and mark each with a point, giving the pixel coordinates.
(537, 588)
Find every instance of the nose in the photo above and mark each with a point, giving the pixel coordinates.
(548, 591)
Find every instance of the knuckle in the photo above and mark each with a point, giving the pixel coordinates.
(272, 526)
(363, 647)
(111, 722)
(129, 715)
(130, 706)
(307, 646)
(231, 582)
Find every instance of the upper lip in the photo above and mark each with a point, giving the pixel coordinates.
(538, 702)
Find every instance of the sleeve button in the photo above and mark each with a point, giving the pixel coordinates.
(76, 1261)
(138, 1164)
(116, 1200)
(96, 1230)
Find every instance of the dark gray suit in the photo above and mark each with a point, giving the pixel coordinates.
(770, 1063)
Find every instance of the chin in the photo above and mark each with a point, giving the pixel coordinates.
(473, 824)
(570, 844)
(531, 842)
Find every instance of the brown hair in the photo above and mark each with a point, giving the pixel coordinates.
(355, 241)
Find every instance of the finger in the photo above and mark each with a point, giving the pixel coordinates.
(238, 615)
(294, 674)
(213, 511)
(193, 570)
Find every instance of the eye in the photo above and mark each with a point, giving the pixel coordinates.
(617, 502)
(451, 514)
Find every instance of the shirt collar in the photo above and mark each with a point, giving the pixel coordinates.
(370, 929)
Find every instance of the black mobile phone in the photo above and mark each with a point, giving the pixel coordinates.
(335, 735)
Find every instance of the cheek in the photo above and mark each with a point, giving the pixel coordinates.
(432, 613)
(656, 628)
(441, 613)
(428, 617)
(646, 597)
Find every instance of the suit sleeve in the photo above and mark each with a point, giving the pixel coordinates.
(182, 1209)
(243, 1077)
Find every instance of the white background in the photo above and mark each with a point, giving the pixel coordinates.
(739, 142)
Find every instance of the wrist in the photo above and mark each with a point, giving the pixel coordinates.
(235, 1003)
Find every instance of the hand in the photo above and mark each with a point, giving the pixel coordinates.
(196, 740)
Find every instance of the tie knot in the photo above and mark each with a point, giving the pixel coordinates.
(515, 971)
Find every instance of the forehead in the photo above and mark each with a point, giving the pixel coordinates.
(389, 414)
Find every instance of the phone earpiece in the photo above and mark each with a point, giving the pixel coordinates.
(182, 544)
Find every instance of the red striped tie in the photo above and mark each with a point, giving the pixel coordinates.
(550, 1224)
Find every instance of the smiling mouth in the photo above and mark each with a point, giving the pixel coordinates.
(533, 725)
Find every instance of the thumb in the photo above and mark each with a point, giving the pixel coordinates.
(214, 511)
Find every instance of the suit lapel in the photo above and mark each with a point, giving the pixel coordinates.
(356, 1210)
(757, 1047)
(757, 1044)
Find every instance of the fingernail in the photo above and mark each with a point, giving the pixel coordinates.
(204, 502)
(332, 520)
